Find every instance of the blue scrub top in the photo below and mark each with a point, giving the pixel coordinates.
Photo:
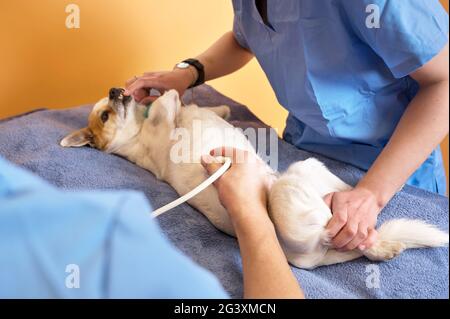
(48, 237)
(346, 85)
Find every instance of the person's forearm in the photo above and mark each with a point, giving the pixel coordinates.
(266, 271)
(421, 128)
(224, 57)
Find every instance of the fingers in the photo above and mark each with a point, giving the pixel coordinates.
(210, 164)
(130, 81)
(339, 218)
(140, 94)
(224, 151)
(144, 82)
(364, 224)
(346, 234)
(327, 199)
(148, 99)
(370, 240)
(359, 237)
(235, 154)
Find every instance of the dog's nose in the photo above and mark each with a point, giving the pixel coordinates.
(114, 93)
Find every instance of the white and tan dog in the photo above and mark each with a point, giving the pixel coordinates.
(118, 125)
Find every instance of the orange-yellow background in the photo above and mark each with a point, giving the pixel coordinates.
(43, 63)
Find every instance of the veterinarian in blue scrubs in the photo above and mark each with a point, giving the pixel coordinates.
(346, 83)
(101, 244)
(365, 82)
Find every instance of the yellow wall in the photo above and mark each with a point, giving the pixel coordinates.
(43, 63)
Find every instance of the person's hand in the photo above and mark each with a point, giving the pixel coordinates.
(354, 218)
(243, 188)
(243, 192)
(178, 79)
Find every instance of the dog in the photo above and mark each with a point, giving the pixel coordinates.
(118, 124)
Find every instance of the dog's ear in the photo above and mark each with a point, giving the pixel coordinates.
(78, 138)
(165, 108)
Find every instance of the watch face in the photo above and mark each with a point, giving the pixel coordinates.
(182, 65)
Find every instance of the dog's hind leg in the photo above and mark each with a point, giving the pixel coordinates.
(335, 257)
(384, 250)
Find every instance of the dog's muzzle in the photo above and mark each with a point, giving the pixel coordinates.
(116, 94)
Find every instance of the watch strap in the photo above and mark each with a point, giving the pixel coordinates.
(200, 71)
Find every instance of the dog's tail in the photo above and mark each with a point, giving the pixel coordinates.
(396, 235)
(413, 233)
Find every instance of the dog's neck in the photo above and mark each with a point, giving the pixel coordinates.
(146, 110)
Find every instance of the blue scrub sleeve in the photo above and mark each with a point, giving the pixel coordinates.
(410, 33)
(48, 236)
(238, 35)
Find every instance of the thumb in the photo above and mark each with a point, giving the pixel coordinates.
(148, 100)
(327, 199)
(210, 163)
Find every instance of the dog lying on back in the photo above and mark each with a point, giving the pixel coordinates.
(118, 124)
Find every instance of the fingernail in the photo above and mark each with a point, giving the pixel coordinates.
(362, 247)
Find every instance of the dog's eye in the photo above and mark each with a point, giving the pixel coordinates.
(104, 116)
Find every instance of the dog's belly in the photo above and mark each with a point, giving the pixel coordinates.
(184, 175)
(210, 133)
(184, 178)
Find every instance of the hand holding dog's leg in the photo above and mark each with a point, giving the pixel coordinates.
(354, 218)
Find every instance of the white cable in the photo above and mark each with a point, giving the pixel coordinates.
(195, 191)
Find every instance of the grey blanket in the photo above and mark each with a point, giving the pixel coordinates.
(32, 141)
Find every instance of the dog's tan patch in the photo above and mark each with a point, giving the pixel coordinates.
(102, 133)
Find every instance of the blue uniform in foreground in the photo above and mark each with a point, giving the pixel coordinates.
(105, 243)
(344, 81)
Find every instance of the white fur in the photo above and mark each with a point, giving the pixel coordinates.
(151, 147)
(296, 203)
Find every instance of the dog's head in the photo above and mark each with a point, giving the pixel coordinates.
(115, 120)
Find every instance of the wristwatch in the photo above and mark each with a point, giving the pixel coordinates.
(198, 66)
